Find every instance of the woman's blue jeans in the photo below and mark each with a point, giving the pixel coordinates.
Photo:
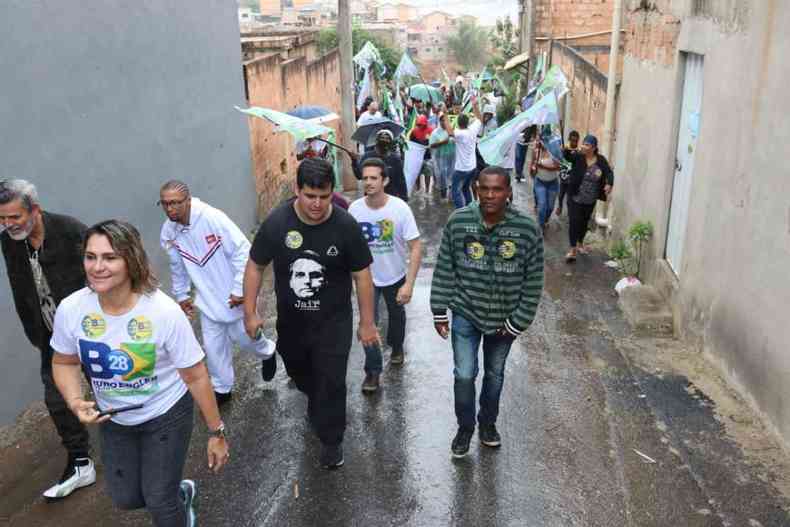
(466, 343)
(545, 196)
(462, 196)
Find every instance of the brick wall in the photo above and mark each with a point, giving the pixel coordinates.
(573, 17)
(651, 31)
(283, 85)
(560, 19)
(587, 92)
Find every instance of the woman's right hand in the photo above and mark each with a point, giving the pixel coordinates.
(218, 453)
(86, 412)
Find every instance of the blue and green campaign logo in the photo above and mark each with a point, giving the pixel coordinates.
(133, 360)
(94, 325)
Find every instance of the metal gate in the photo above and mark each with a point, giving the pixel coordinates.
(690, 121)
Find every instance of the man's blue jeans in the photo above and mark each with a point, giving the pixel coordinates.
(396, 325)
(545, 196)
(466, 342)
(462, 196)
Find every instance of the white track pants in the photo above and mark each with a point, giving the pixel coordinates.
(218, 340)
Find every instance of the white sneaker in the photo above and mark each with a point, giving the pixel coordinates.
(80, 472)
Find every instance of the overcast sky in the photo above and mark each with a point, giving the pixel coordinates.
(486, 11)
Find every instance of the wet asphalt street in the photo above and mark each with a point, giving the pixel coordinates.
(574, 408)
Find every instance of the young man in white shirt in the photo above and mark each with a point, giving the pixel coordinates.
(389, 227)
(207, 249)
(465, 160)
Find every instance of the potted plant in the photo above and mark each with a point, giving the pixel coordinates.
(628, 253)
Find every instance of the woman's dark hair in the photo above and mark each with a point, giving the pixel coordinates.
(375, 162)
(125, 240)
(316, 173)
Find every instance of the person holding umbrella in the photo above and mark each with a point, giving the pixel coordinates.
(385, 150)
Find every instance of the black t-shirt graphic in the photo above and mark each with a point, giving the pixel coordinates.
(312, 263)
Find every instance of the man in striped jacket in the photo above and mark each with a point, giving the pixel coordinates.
(489, 273)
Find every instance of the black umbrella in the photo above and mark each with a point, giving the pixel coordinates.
(372, 127)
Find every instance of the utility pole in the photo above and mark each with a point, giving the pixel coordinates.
(346, 86)
(527, 34)
(611, 89)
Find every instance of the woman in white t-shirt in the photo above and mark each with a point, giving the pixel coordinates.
(138, 348)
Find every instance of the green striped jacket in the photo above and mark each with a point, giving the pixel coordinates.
(492, 277)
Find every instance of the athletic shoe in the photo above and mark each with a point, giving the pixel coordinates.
(223, 398)
(332, 456)
(188, 494)
(371, 383)
(397, 357)
(269, 368)
(461, 442)
(79, 472)
(489, 436)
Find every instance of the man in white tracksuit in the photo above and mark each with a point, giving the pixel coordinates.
(207, 249)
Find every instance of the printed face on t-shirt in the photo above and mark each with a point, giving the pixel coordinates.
(307, 278)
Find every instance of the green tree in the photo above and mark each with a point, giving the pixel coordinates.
(327, 40)
(469, 45)
(252, 4)
(504, 41)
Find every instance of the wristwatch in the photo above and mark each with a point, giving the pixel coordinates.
(219, 432)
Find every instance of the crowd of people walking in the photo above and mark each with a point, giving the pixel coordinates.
(89, 301)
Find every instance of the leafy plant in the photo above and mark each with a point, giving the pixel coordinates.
(469, 45)
(504, 41)
(628, 253)
(327, 40)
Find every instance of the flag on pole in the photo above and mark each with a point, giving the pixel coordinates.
(365, 90)
(496, 145)
(406, 68)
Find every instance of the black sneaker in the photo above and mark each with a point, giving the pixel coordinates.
(489, 436)
(269, 368)
(188, 494)
(397, 357)
(461, 442)
(371, 383)
(332, 456)
(223, 398)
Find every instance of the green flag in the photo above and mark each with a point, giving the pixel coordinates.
(496, 146)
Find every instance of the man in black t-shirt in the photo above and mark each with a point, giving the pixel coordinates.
(316, 250)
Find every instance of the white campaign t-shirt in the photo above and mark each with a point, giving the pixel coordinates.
(465, 142)
(131, 358)
(387, 231)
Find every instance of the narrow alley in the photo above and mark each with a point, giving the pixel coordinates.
(600, 428)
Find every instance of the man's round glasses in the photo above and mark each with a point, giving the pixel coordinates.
(171, 203)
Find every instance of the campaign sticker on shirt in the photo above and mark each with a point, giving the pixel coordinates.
(140, 328)
(475, 250)
(507, 249)
(94, 325)
(293, 240)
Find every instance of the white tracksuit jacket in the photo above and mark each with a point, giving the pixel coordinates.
(211, 252)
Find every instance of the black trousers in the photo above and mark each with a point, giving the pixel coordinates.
(72, 433)
(316, 358)
(578, 219)
(562, 194)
